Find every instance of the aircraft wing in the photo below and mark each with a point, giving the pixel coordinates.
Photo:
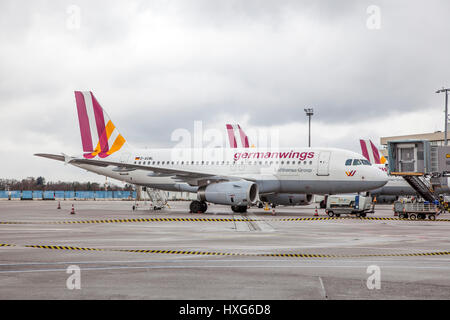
(190, 177)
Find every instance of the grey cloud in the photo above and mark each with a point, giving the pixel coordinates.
(159, 65)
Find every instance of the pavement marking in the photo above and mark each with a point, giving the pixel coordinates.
(248, 220)
(241, 227)
(322, 289)
(129, 220)
(165, 267)
(258, 224)
(354, 218)
(215, 253)
(308, 263)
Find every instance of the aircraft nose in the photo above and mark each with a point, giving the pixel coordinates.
(378, 176)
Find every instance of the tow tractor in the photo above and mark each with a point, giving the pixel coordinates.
(349, 204)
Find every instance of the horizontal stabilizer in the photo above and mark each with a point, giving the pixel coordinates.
(51, 156)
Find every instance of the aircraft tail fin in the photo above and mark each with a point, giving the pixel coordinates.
(243, 141)
(371, 153)
(99, 136)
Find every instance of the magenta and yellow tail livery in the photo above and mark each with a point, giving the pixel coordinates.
(370, 152)
(232, 129)
(99, 136)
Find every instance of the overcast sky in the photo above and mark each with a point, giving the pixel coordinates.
(368, 68)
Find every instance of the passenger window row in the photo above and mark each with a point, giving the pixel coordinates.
(219, 162)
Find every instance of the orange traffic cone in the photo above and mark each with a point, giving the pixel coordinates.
(59, 205)
(73, 210)
(316, 213)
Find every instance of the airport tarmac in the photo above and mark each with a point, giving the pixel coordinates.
(219, 256)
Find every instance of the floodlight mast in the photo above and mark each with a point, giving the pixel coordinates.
(309, 113)
(446, 112)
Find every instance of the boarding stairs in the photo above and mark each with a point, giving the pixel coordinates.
(420, 184)
(157, 197)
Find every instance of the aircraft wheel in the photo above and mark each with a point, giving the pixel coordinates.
(235, 209)
(239, 209)
(412, 216)
(242, 209)
(204, 206)
(330, 213)
(196, 206)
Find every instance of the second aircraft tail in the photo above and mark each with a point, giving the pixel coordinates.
(370, 152)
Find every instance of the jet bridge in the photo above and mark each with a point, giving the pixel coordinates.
(424, 166)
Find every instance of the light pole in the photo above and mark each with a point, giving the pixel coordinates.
(309, 113)
(446, 111)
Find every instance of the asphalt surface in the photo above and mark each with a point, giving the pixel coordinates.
(168, 255)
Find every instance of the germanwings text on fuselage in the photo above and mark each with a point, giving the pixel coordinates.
(274, 155)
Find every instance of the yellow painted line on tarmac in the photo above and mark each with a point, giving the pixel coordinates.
(352, 218)
(103, 221)
(215, 253)
(63, 247)
(13, 222)
(6, 245)
(131, 220)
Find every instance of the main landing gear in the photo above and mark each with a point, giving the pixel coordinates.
(239, 209)
(198, 206)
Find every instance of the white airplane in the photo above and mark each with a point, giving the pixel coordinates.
(227, 176)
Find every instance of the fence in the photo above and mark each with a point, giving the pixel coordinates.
(69, 195)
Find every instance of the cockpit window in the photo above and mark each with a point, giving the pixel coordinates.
(348, 162)
(365, 162)
(356, 162)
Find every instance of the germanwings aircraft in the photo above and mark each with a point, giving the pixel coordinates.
(228, 176)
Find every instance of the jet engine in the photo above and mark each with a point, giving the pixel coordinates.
(288, 199)
(235, 193)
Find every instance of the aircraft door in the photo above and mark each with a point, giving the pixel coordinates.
(323, 164)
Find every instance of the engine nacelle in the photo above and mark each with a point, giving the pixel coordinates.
(288, 199)
(235, 193)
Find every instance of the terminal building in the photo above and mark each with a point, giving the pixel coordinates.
(435, 138)
(423, 160)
